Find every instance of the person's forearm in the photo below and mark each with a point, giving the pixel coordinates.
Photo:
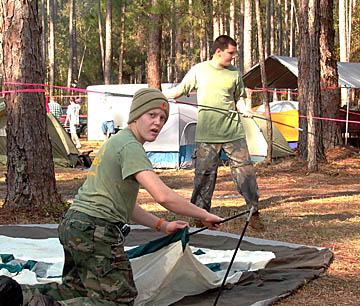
(168, 198)
(173, 92)
(143, 217)
(181, 206)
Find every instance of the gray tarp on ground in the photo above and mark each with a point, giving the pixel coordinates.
(293, 264)
(282, 72)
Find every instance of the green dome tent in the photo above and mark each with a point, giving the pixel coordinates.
(64, 151)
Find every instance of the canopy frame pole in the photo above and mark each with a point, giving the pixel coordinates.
(347, 116)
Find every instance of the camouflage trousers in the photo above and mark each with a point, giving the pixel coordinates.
(207, 160)
(96, 271)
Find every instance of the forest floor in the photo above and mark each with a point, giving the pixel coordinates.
(319, 209)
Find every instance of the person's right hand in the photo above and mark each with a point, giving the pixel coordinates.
(210, 221)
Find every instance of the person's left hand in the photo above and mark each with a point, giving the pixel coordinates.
(247, 112)
(174, 226)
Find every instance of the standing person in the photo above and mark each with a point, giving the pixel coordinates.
(55, 109)
(220, 86)
(97, 270)
(107, 125)
(72, 116)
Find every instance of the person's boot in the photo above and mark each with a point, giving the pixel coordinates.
(43, 300)
(256, 223)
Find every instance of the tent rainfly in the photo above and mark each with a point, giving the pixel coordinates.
(282, 72)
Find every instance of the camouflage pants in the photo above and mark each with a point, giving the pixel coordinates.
(207, 159)
(96, 271)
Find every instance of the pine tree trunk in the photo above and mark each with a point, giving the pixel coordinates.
(51, 44)
(280, 29)
(72, 66)
(264, 83)
(216, 19)
(154, 50)
(101, 37)
(30, 169)
(311, 147)
(239, 36)
(173, 43)
(330, 98)
(43, 34)
(108, 43)
(292, 29)
(122, 41)
(248, 35)
(233, 19)
(287, 26)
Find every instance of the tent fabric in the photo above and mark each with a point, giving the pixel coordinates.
(285, 116)
(256, 135)
(282, 273)
(174, 146)
(282, 72)
(64, 151)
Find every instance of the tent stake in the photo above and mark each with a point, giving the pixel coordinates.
(234, 255)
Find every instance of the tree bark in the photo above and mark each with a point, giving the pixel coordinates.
(280, 29)
(43, 33)
(330, 95)
(154, 50)
(179, 45)
(172, 72)
(209, 27)
(292, 28)
(72, 67)
(122, 41)
(232, 17)
(101, 38)
(248, 35)
(108, 43)
(287, 26)
(216, 19)
(30, 170)
(51, 45)
(264, 82)
(309, 81)
(239, 35)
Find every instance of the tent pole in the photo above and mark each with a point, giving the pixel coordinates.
(223, 221)
(234, 255)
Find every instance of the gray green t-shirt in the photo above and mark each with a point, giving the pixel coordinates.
(110, 189)
(219, 89)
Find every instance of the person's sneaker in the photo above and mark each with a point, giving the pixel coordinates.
(10, 292)
(256, 223)
(43, 300)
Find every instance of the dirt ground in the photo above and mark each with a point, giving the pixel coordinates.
(321, 209)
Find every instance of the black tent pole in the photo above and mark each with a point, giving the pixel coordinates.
(234, 255)
(223, 221)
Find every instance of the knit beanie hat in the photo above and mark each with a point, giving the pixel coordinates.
(146, 99)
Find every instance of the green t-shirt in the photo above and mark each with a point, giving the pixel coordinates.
(110, 189)
(221, 89)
